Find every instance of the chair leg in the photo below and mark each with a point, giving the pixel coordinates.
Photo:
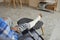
(20, 3)
(9, 3)
(17, 2)
(14, 4)
(55, 8)
(4, 1)
(42, 30)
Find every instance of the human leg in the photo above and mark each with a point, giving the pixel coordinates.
(32, 23)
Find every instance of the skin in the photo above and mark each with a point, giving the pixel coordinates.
(13, 28)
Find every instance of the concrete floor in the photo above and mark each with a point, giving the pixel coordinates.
(51, 20)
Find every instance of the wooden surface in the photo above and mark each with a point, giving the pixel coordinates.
(33, 3)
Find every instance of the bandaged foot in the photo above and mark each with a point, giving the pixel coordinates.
(32, 23)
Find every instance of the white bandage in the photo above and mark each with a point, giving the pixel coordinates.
(32, 23)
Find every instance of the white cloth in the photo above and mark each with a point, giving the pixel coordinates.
(32, 23)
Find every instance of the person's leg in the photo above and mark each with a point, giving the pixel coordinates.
(32, 23)
(22, 27)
